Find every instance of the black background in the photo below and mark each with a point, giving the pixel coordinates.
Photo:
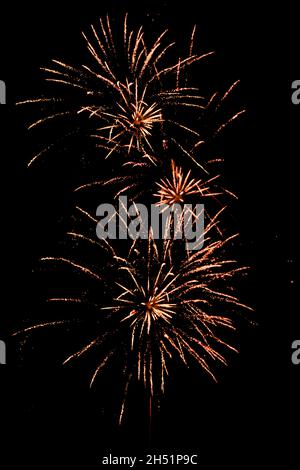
(48, 414)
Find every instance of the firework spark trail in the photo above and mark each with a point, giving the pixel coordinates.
(39, 326)
(77, 266)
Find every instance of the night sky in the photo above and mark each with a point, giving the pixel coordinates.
(48, 413)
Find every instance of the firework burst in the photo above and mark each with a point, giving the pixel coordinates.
(134, 121)
(139, 179)
(130, 94)
(143, 182)
(168, 308)
(165, 306)
(180, 186)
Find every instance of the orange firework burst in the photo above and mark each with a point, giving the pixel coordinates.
(175, 190)
(139, 178)
(135, 119)
(165, 306)
(181, 186)
(168, 308)
(130, 94)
